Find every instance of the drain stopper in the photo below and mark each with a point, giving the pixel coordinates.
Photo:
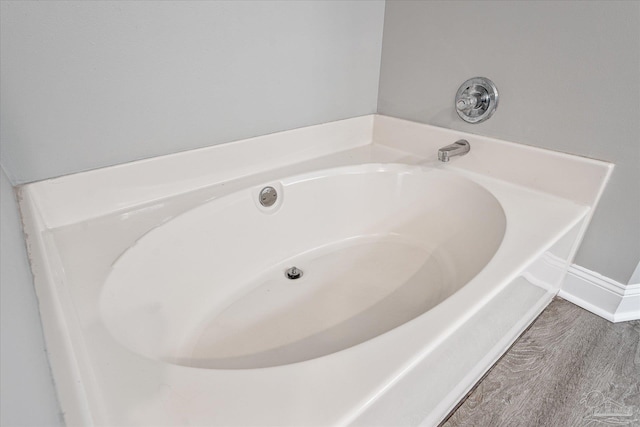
(293, 273)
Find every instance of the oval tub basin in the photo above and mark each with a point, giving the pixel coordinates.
(378, 246)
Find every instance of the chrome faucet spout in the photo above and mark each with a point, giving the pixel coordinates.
(458, 148)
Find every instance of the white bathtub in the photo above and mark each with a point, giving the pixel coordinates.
(378, 244)
(165, 302)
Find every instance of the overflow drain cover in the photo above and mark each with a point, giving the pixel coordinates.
(268, 196)
(293, 273)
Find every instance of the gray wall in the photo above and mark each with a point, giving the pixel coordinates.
(27, 397)
(88, 84)
(91, 84)
(569, 80)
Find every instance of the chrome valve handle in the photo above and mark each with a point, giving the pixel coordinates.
(467, 103)
(476, 100)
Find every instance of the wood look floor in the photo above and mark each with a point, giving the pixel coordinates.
(570, 368)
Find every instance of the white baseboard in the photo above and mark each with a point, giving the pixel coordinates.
(601, 295)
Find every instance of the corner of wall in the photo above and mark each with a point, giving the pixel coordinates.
(28, 394)
(635, 276)
(384, 18)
